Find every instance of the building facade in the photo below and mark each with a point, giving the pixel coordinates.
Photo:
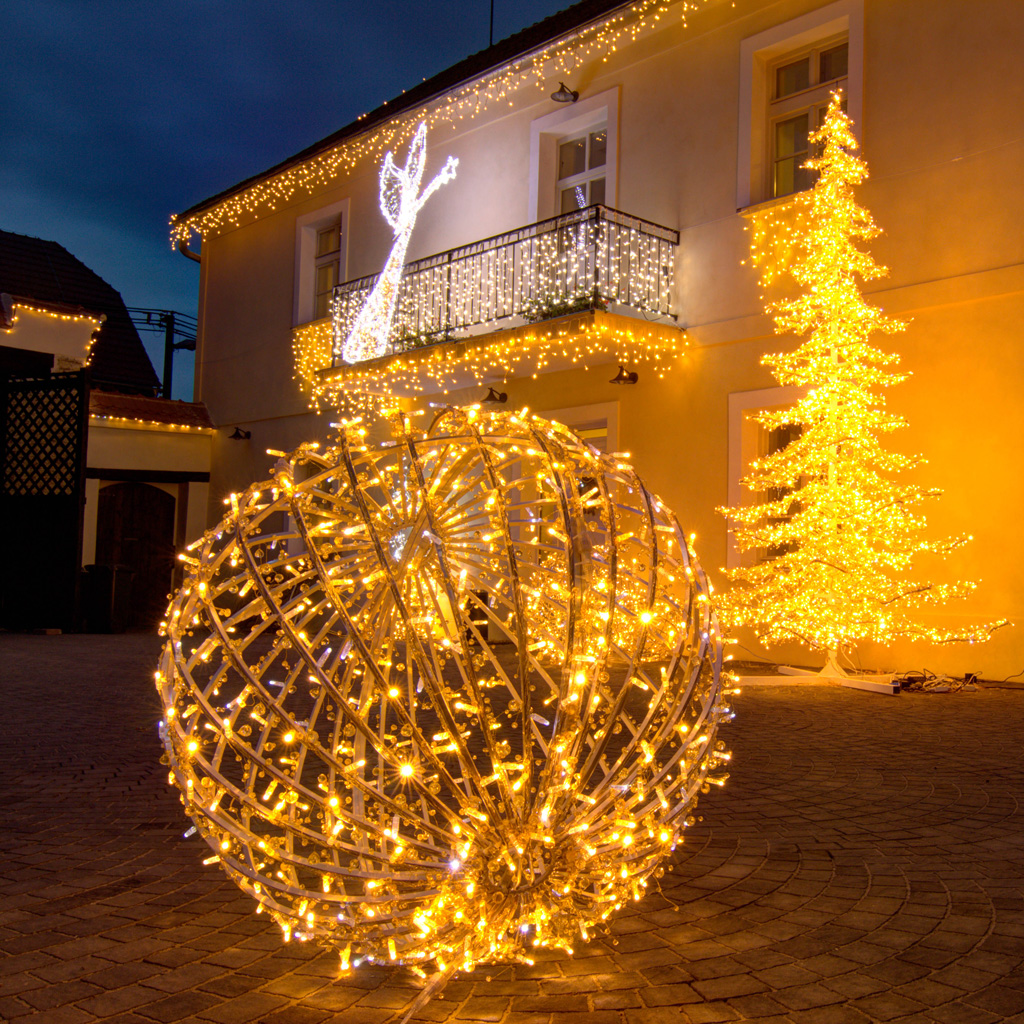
(681, 125)
(96, 472)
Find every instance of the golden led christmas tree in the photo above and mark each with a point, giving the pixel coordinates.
(837, 531)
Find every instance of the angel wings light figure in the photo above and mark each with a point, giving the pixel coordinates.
(400, 202)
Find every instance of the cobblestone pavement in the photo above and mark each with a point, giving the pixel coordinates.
(864, 863)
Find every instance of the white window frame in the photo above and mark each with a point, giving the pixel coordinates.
(812, 101)
(742, 407)
(306, 228)
(570, 121)
(331, 259)
(588, 174)
(584, 415)
(759, 54)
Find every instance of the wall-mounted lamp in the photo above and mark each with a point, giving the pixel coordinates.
(565, 95)
(495, 397)
(622, 377)
(240, 435)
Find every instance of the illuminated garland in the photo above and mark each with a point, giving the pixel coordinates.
(83, 318)
(89, 318)
(835, 533)
(466, 103)
(135, 423)
(445, 700)
(598, 261)
(573, 341)
(400, 203)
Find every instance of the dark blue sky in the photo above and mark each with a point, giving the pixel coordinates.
(118, 113)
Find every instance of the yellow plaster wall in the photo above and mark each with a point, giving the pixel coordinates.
(141, 448)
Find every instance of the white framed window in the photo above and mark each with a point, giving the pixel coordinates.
(597, 424)
(786, 76)
(749, 440)
(800, 85)
(582, 164)
(574, 156)
(321, 260)
(327, 274)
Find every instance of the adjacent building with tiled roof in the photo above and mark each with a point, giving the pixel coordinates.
(114, 405)
(96, 471)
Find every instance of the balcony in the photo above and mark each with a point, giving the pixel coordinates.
(582, 289)
(592, 259)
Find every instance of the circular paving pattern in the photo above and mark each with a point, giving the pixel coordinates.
(864, 863)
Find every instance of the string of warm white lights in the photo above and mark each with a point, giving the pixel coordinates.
(606, 257)
(137, 423)
(93, 320)
(577, 341)
(836, 532)
(465, 103)
(88, 318)
(445, 700)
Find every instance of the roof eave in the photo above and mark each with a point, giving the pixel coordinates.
(405, 102)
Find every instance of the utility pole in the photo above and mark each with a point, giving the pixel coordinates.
(179, 331)
(168, 321)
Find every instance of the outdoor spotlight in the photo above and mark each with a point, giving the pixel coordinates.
(564, 94)
(239, 434)
(622, 377)
(495, 397)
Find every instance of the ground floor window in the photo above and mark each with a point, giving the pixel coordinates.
(748, 441)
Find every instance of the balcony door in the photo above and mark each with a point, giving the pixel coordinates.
(574, 156)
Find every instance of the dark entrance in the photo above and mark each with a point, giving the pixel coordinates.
(43, 429)
(135, 532)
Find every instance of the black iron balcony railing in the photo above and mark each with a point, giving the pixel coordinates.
(587, 259)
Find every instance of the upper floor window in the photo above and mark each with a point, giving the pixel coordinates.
(800, 86)
(787, 74)
(321, 248)
(581, 170)
(328, 255)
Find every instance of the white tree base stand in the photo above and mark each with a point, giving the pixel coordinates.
(833, 671)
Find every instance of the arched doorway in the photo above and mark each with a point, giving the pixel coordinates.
(135, 529)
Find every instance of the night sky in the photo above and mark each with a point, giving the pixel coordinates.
(118, 113)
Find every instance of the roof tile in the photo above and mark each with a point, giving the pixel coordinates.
(151, 410)
(517, 45)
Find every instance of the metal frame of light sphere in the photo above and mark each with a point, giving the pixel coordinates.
(443, 700)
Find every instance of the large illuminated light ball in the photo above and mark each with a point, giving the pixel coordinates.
(445, 699)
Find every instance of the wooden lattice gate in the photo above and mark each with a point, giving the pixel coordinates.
(43, 429)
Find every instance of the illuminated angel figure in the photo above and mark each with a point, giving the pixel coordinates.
(400, 202)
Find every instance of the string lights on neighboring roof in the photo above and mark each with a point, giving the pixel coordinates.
(95, 320)
(136, 423)
(538, 69)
